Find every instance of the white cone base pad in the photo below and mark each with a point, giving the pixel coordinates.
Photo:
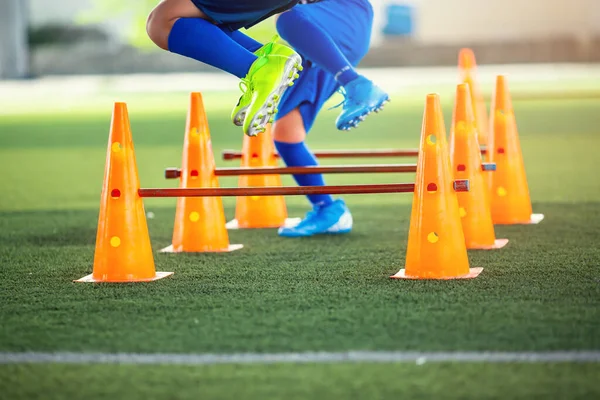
(90, 279)
(535, 219)
(498, 244)
(289, 223)
(232, 247)
(474, 272)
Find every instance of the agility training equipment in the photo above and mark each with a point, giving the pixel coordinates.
(436, 243)
(123, 251)
(467, 67)
(229, 155)
(199, 222)
(474, 205)
(259, 211)
(510, 199)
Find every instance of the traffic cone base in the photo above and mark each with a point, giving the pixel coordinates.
(473, 273)
(288, 223)
(498, 244)
(232, 247)
(90, 279)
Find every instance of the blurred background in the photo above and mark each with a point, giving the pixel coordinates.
(43, 37)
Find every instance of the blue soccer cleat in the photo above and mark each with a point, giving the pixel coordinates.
(362, 97)
(334, 218)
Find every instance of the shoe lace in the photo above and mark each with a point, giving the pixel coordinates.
(342, 91)
(245, 86)
(269, 46)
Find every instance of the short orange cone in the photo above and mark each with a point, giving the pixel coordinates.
(260, 211)
(510, 201)
(465, 155)
(467, 67)
(123, 251)
(199, 221)
(436, 243)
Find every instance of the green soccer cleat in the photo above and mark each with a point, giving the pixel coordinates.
(268, 79)
(239, 111)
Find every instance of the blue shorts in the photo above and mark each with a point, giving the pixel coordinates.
(349, 24)
(236, 14)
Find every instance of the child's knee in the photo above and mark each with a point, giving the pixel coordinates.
(290, 128)
(158, 28)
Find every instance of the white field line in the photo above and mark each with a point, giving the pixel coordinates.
(300, 358)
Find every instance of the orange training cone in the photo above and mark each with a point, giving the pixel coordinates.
(260, 211)
(436, 243)
(123, 251)
(467, 67)
(465, 154)
(510, 201)
(199, 221)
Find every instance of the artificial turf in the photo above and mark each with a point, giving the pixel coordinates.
(541, 292)
(341, 381)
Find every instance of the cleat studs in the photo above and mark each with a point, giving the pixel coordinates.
(271, 120)
(275, 97)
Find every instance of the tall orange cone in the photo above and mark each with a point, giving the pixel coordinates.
(510, 201)
(260, 211)
(465, 155)
(199, 221)
(436, 243)
(467, 67)
(123, 251)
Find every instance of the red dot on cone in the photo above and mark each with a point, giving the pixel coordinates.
(501, 150)
(115, 193)
(431, 188)
(461, 167)
(194, 172)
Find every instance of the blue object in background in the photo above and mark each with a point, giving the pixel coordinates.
(399, 20)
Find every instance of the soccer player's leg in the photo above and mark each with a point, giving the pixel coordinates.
(180, 27)
(186, 28)
(299, 108)
(335, 35)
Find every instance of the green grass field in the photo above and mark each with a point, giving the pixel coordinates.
(540, 293)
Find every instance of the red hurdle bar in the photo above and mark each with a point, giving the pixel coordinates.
(234, 155)
(461, 185)
(174, 173)
(278, 191)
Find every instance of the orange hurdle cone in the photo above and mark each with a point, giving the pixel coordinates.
(199, 221)
(436, 243)
(260, 211)
(467, 67)
(465, 155)
(123, 251)
(510, 201)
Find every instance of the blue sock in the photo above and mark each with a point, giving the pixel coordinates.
(244, 40)
(298, 155)
(315, 44)
(203, 41)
